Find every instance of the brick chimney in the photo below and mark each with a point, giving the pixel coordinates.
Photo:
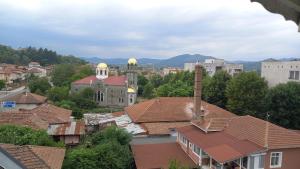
(198, 113)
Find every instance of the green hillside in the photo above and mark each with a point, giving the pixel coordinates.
(30, 54)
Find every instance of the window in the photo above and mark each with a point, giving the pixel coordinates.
(261, 161)
(197, 150)
(276, 160)
(294, 75)
(100, 72)
(183, 140)
(98, 96)
(101, 97)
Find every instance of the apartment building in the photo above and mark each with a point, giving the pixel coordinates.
(276, 72)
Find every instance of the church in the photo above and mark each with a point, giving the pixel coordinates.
(111, 91)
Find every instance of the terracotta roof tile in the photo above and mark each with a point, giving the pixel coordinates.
(163, 128)
(262, 132)
(27, 98)
(26, 119)
(52, 114)
(171, 109)
(150, 156)
(220, 145)
(36, 157)
(111, 80)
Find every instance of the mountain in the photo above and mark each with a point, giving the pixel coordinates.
(177, 61)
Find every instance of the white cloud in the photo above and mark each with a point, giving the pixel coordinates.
(237, 29)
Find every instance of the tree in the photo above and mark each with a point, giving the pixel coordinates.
(61, 75)
(156, 80)
(214, 88)
(142, 81)
(283, 105)
(24, 135)
(109, 149)
(57, 94)
(245, 94)
(39, 85)
(111, 134)
(2, 84)
(148, 91)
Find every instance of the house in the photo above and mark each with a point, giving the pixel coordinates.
(69, 133)
(171, 70)
(38, 118)
(34, 64)
(221, 142)
(12, 73)
(25, 101)
(30, 157)
(111, 91)
(276, 72)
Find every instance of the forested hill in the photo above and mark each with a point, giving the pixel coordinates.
(30, 54)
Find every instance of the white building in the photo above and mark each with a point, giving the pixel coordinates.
(213, 65)
(276, 72)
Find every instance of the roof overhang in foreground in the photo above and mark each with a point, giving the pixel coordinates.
(289, 9)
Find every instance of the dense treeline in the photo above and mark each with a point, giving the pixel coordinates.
(244, 94)
(42, 55)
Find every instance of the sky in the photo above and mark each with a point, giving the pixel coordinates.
(235, 30)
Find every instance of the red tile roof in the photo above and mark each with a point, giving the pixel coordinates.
(162, 128)
(52, 114)
(171, 109)
(86, 80)
(262, 132)
(220, 145)
(25, 119)
(33, 157)
(151, 156)
(112, 80)
(27, 98)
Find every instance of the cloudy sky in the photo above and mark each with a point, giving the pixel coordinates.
(235, 30)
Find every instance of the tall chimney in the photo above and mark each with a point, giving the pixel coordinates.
(198, 114)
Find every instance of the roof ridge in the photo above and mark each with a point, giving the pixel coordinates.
(37, 156)
(152, 102)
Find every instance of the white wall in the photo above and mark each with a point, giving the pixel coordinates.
(279, 72)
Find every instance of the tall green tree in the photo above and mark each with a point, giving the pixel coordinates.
(61, 75)
(283, 105)
(245, 94)
(57, 94)
(142, 81)
(39, 85)
(214, 89)
(148, 91)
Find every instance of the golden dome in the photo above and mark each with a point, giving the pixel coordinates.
(132, 61)
(131, 90)
(102, 65)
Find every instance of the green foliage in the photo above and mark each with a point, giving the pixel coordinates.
(39, 85)
(174, 164)
(29, 54)
(282, 103)
(61, 74)
(148, 91)
(142, 81)
(111, 134)
(25, 135)
(2, 84)
(64, 74)
(109, 149)
(245, 94)
(156, 80)
(56, 94)
(214, 88)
